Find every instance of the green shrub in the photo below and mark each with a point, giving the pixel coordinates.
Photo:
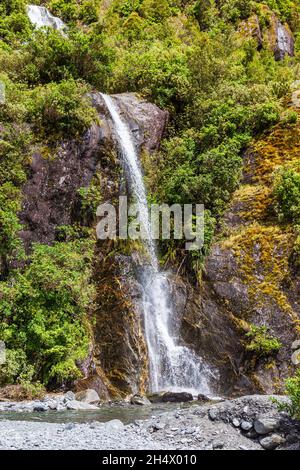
(260, 342)
(292, 389)
(286, 192)
(61, 108)
(10, 244)
(14, 22)
(51, 57)
(43, 312)
(72, 10)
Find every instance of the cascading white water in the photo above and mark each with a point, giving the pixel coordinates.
(173, 367)
(41, 17)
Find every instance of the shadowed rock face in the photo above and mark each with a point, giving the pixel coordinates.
(51, 193)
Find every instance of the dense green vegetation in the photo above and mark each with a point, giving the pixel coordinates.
(287, 195)
(293, 390)
(189, 57)
(260, 342)
(43, 313)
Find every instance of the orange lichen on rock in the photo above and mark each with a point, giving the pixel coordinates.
(280, 147)
(262, 254)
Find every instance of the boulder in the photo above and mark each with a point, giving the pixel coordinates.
(266, 425)
(236, 422)
(246, 425)
(74, 405)
(114, 425)
(171, 397)
(139, 400)
(271, 442)
(203, 398)
(88, 396)
(296, 357)
(296, 344)
(40, 407)
(69, 396)
(212, 413)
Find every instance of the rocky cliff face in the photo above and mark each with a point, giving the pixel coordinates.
(117, 361)
(250, 277)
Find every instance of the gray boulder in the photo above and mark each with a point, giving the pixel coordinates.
(203, 398)
(139, 400)
(236, 422)
(69, 396)
(171, 397)
(79, 405)
(296, 344)
(271, 442)
(246, 425)
(296, 357)
(266, 425)
(114, 425)
(40, 407)
(88, 396)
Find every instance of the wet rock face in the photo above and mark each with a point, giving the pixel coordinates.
(117, 362)
(51, 192)
(277, 36)
(146, 121)
(119, 342)
(285, 43)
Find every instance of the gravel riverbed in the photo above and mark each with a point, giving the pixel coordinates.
(247, 423)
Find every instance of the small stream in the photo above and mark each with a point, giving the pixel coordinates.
(127, 414)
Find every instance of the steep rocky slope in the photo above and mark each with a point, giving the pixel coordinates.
(250, 276)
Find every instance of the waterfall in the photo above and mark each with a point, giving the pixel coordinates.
(41, 17)
(173, 367)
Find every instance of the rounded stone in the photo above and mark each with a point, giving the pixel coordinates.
(88, 396)
(246, 425)
(296, 357)
(236, 422)
(271, 442)
(296, 344)
(266, 425)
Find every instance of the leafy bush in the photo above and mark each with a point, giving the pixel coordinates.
(61, 108)
(72, 10)
(287, 194)
(14, 22)
(43, 313)
(49, 57)
(10, 245)
(16, 368)
(292, 389)
(260, 342)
